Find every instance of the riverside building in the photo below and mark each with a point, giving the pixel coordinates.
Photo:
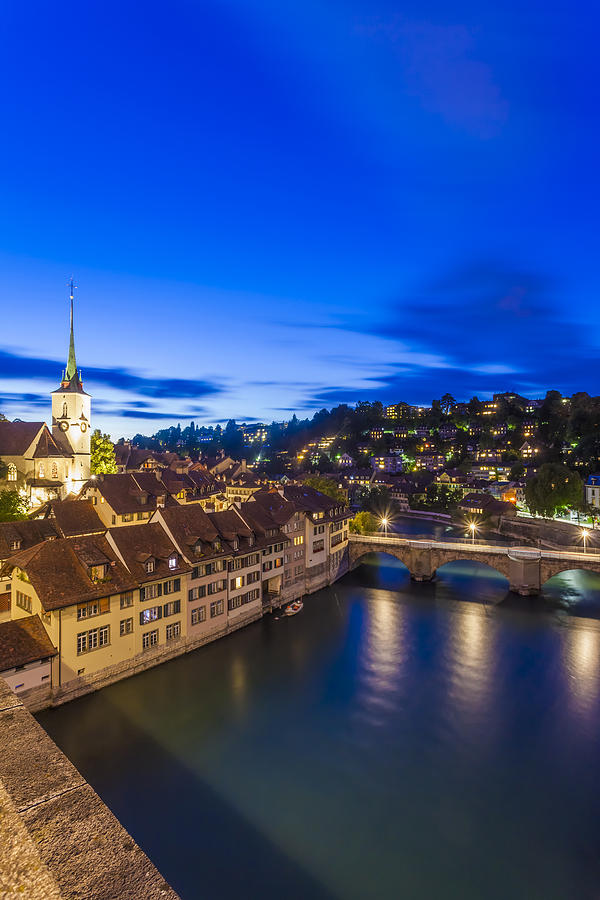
(116, 600)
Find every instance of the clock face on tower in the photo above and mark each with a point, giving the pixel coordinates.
(64, 426)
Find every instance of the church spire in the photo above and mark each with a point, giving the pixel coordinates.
(71, 370)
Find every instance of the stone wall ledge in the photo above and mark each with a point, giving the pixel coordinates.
(57, 838)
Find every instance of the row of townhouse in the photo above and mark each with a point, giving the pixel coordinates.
(106, 603)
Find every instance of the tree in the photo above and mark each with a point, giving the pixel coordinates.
(103, 454)
(378, 501)
(12, 506)
(363, 523)
(326, 486)
(447, 404)
(554, 488)
(517, 471)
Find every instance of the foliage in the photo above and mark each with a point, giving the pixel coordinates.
(363, 523)
(326, 486)
(103, 454)
(377, 501)
(12, 506)
(553, 489)
(441, 498)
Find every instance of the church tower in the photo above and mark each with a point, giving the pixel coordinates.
(71, 418)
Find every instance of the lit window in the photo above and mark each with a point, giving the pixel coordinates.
(173, 561)
(12, 472)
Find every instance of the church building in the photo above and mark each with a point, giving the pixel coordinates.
(42, 464)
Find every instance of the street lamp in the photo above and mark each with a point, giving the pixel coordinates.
(384, 522)
(584, 535)
(473, 529)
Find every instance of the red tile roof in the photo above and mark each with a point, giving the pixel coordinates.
(60, 570)
(24, 641)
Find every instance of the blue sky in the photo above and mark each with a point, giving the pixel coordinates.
(272, 207)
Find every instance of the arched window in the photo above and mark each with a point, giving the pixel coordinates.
(65, 411)
(41, 470)
(54, 470)
(12, 472)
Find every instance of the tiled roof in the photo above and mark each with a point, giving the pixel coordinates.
(125, 491)
(48, 447)
(59, 570)
(28, 533)
(190, 525)
(74, 517)
(138, 543)
(17, 437)
(24, 641)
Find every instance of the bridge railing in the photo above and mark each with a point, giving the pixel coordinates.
(482, 546)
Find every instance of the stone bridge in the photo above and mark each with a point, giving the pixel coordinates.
(526, 569)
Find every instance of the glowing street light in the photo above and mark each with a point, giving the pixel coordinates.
(473, 529)
(384, 523)
(585, 535)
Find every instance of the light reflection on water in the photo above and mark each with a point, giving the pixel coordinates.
(582, 662)
(394, 740)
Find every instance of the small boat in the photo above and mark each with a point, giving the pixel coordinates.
(293, 608)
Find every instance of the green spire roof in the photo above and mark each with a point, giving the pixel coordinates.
(71, 370)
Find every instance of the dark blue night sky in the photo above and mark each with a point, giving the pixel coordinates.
(271, 207)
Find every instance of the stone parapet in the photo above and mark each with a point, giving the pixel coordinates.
(57, 838)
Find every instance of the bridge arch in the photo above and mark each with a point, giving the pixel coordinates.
(481, 566)
(399, 553)
(577, 591)
(551, 568)
(496, 561)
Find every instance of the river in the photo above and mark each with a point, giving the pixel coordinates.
(394, 740)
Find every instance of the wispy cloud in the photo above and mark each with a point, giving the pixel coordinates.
(14, 365)
(440, 67)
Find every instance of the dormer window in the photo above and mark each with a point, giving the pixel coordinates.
(149, 566)
(216, 545)
(173, 561)
(15, 545)
(97, 573)
(235, 543)
(250, 540)
(198, 548)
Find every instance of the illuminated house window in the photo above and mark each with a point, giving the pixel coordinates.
(41, 470)
(54, 471)
(12, 472)
(173, 561)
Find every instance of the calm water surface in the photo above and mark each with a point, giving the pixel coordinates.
(392, 741)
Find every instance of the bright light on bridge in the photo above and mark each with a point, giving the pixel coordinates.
(585, 533)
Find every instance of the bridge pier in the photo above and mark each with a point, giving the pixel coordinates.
(524, 576)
